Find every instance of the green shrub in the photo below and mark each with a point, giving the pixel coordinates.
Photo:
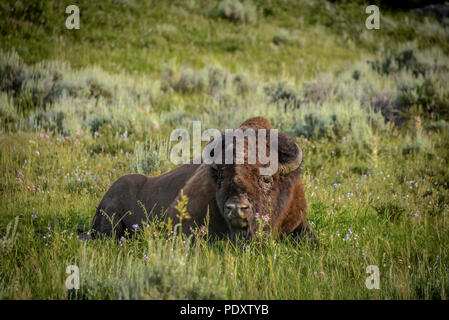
(424, 100)
(242, 84)
(390, 210)
(189, 81)
(282, 94)
(396, 62)
(212, 80)
(8, 115)
(13, 72)
(312, 126)
(437, 126)
(318, 91)
(237, 12)
(383, 102)
(96, 123)
(281, 37)
(151, 157)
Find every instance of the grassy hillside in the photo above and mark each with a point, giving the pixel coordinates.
(80, 108)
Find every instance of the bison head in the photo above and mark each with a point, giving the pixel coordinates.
(242, 191)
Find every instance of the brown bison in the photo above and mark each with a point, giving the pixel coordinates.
(230, 196)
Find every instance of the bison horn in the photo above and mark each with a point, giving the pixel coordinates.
(286, 168)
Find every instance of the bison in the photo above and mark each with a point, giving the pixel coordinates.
(228, 196)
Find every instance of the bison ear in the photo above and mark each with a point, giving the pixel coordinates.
(289, 154)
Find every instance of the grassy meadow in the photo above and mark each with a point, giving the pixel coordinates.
(80, 108)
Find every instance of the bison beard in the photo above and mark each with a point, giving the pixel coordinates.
(230, 194)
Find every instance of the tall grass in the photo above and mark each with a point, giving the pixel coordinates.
(391, 214)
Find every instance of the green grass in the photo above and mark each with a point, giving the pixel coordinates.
(140, 37)
(100, 102)
(374, 218)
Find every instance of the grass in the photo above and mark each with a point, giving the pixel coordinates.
(394, 217)
(79, 109)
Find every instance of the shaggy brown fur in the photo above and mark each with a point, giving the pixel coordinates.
(210, 189)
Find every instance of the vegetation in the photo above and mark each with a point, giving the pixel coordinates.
(80, 108)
